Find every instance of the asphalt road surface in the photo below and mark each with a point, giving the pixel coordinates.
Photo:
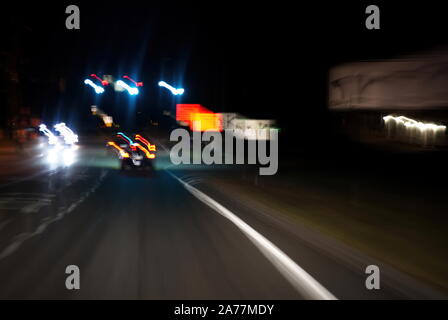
(146, 236)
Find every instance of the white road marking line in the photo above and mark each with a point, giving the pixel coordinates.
(303, 282)
(19, 239)
(30, 177)
(24, 202)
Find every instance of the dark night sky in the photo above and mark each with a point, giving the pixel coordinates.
(262, 59)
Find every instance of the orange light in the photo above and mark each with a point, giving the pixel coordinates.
(151, 147)
(123, 153)
(206, 122)
(198, 118)
(184, 112)
(138, 145)
(147, 153)
(140, 138)
(128, 141)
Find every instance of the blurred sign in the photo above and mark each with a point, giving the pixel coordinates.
(228, 119)
(401, 84)
(254, 129)
(108, 121)
(108, 78)
(207, 122)
(198, 118)
(184, 112)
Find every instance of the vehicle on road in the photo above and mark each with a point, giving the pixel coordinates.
(133, 155)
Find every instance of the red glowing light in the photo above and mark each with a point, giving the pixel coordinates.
(206, 122)
(151, 147)
(103, 82)
(120, 136)
(138, 84)
(184, 112)
(198, 118)
(140, 138)
(147, 153)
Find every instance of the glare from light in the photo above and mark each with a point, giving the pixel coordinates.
(123, 153)
(52, 139)
(410, 123)
(69, 136)
(60, 155)
(174, 91)
(141, 139)
(68, 157)
(132, 90)
(98, 89)
(52, 156)
(108, 121)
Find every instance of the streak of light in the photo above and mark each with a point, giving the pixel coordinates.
(174, 91)
(132, 90)
(98, 89)
(410, 123)
(123, 153)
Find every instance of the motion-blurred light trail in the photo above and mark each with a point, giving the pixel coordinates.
(69, 136)
(132, 90)
(123, 153)
(151, 147)
(98, 89)
(198, 118)
(129, 140)
(206, 122)
(148, 154)
(137, 83)
(103, 82)
(174, 91)
(410, 123)
(68, 157)
(135, 145)
(303, 282)
(52, 139)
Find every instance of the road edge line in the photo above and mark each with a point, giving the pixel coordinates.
(302, 281)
